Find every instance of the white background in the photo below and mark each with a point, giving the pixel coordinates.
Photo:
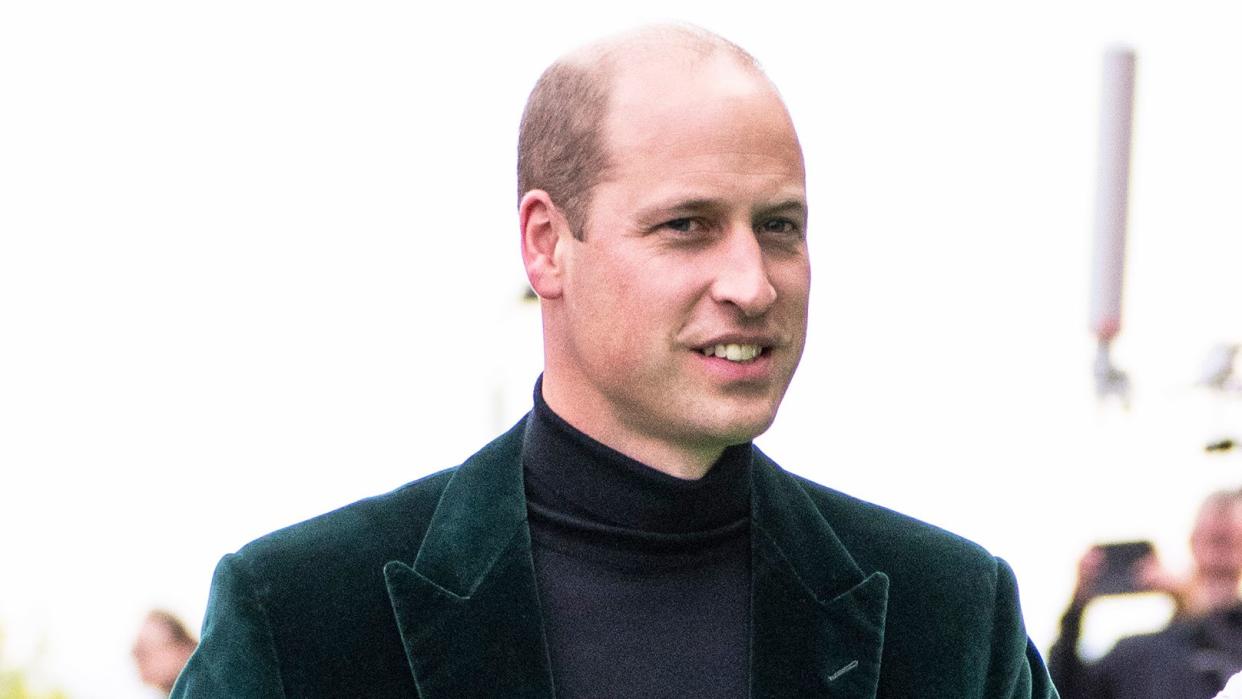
(259, 259)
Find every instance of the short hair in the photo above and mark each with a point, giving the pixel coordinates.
(178, 633)
(1222, 498)
(561, 143)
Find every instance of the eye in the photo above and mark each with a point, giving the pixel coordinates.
(780, 226)
(686, 225)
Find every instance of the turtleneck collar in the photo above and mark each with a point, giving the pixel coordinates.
(575, 475)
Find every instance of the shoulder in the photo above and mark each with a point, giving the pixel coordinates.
(1156, 664)
(929, 568)
(335, 556)
(367, 534)
(382, 525)
(389, 526)
(952, 617)
(306, 606)
(1175, 639)
(880, 537)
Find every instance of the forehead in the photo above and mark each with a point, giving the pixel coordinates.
(682, 106)
(1222, 512)
(152, 633)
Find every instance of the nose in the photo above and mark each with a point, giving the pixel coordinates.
(742, 278)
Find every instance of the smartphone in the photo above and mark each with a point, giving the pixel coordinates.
(1117, 575)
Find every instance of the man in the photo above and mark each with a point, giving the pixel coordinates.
(1198, 651)
(161, 649)
(626, 539)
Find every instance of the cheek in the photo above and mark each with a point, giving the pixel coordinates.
(793, 285)
(638, 291)
(605, 318)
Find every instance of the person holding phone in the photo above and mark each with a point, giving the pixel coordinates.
(1200, 649)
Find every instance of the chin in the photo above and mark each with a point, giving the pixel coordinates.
(738, 431)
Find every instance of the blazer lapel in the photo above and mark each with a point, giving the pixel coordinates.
(468, 608)
(817, 622)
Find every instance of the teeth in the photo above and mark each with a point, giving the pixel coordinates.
(733, 352)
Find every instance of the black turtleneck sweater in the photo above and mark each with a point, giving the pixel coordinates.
(644, 578)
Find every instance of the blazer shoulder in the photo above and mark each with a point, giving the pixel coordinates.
(881, 538)
(953, 619)
(935, 576)
(306, 606)
(382, 525)
(374, 530)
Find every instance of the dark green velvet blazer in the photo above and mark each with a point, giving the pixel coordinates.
(429, 591)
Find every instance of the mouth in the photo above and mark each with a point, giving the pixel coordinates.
(734, 352)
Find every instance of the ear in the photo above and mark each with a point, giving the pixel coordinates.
(545, 232)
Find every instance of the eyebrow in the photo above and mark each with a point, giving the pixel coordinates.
(797, 206)
(701, 204)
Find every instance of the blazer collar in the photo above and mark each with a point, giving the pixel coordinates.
(468, 608)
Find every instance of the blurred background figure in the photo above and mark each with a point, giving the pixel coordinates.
(1200, 648)
(162, 647)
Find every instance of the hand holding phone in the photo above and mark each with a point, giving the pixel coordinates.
(1118, 567)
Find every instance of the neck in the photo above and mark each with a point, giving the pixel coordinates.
(672, 458)
(684, 466)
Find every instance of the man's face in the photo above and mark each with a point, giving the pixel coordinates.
(694, 248)
(159, 658)
(1216, 542)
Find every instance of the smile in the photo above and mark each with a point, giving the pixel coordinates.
(733, 352)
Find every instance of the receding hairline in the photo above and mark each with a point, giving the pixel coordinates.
(1221, 499)
(178, 632)
(563, 146)
(608, 54)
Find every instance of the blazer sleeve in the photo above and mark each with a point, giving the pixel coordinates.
(237, 655)
(1016, 669)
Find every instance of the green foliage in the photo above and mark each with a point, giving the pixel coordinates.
(13, 685)
(15, 682)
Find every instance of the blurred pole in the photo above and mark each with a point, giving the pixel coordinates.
(1222, 378)
(1112, 199)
